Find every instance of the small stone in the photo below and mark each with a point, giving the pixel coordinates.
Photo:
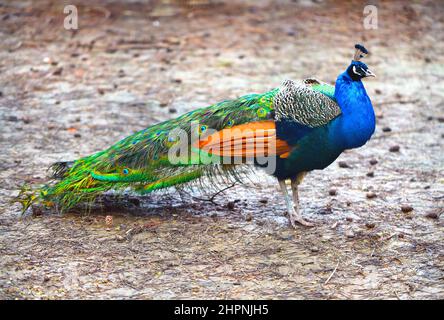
(440, 119)
(349, 234)
(378, 91)
(394, 148)
(386, 129)
(314, 249)
(373, 162)
(406, 208)
(429, 118)
(326, 210)
(230, 205)
(58, 71)
(109, 221)
(371, 195)
(249, 217)
(26, 120)
(77, 135)
(380, 115)
(349, 219)
(434, 214)
(172, 110)
(370, 174)
(332, 192)
(370, 225)
(163, 104)
(101, 91)
(12, 118)
(263, 201)
(177, 80)
(343, 164)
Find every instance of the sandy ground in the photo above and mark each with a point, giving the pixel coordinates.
(67, 94)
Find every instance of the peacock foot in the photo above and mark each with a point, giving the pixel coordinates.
(295, 218)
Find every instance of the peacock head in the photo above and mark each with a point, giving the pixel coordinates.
(357, 69)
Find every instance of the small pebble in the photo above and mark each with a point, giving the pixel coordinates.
(109, 221)
(371, 195)
(263, 201)
(77, 135)
(349, 219)
(332, 192)
(440, 119)
(406, 208)
(394, 148)
(314, 249)
(230, 205)
(434, 214)
(172, 110)
(373, 162)
(58, 71)
(370, 225)
(343, 164)
(249, 217)
(386, 129)
(349, 234)
(12, 118)
(378, 91)
(370, 174)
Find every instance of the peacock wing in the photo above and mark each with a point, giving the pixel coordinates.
(309, 103)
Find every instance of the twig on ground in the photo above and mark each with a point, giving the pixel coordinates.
(331, 275)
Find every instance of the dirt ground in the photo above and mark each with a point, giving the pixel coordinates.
(66, 94)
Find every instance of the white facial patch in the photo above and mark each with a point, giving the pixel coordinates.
(355, 72)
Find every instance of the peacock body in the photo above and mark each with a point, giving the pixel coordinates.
(301, 126)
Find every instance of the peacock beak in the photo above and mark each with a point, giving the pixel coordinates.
(368, 73)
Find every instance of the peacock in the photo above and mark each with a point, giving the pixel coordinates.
(289, 131)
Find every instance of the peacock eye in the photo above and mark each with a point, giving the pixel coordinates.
(125, 171)
(203, 128)
(261, 113)
(230, 123)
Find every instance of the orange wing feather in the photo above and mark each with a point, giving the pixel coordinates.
(248, 140)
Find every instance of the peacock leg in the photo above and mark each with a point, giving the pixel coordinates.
(295, 182)
(293, 215)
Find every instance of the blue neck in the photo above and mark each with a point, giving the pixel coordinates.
(357, 122)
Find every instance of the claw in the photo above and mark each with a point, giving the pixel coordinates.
(294, 218)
